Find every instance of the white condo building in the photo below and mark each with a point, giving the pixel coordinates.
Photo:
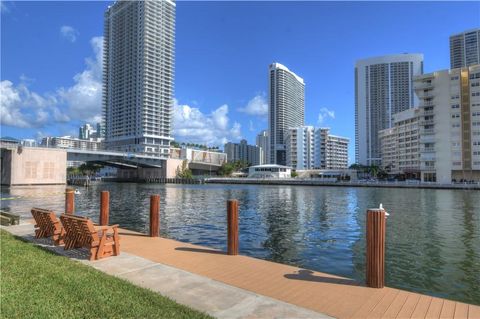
(138, 76)
(465, 49)
(262, 142)
(300, 143)
(449, 124)
(383, 87)
(331, 151)
(286, 109)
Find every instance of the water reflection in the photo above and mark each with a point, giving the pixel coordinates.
(433, 241)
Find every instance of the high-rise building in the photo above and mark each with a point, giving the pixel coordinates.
(138, 76)
(383, 87)
(299, 144)
(400, 144)
(286, 109)
(449, 124)
(465, 49)
(242, 152)
(262, 142)
(87, 131)
(331, 151)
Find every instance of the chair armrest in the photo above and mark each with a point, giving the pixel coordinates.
(106, 227)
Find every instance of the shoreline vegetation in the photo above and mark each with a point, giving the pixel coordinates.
(36, 283)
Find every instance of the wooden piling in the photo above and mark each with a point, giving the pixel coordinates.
(154, 215)
(232, 221)
(375, 256)
(69, 201)
(104, 207)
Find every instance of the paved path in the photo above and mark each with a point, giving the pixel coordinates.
(198, 292)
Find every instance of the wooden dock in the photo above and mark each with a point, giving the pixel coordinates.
(335, 296)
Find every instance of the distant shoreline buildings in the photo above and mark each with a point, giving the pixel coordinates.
(249, 154)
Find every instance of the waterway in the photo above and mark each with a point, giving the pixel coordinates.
(432, 244)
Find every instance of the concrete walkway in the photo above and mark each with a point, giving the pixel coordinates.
(198, 292)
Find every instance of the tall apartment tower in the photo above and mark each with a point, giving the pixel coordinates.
(262, 142)
(286, 109)
(383, 87)
(449, 124)
(465, 49)
(138, 76)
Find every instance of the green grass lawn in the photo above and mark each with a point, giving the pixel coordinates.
(36, 283)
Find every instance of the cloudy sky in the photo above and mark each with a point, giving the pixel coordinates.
(51, 60)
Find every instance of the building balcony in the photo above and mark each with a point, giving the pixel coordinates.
(422, 85)
(424, 167)
(427, 150)
(427, 122)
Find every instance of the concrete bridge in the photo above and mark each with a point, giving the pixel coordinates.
(115, 159)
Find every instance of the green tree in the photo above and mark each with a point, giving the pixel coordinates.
(226, 169)
(184, 171)
(294, 174)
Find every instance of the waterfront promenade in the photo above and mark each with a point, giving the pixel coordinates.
(318, 182)
(300, 293)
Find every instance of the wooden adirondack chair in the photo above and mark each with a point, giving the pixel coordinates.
(47, 225)
(73, 235)
(103, 241)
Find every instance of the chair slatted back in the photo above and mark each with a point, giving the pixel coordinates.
(74, 234)
(47, 224)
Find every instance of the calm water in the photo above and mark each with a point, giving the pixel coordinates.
(433, 236)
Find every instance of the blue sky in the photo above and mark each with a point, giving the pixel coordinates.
(51, 66)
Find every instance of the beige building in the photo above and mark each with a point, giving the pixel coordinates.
(331, 151)
(400, 144)
(33, 166)
(336, 156)
(449, 124)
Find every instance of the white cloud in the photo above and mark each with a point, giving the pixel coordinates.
(69, 33)
(324, 115)
(21, 107)
(256, 106)
(191, 125)
(84, 98)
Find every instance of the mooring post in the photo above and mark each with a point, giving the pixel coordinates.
(69, 201)
(232, 221)
(375, 268)
(104, 207)
(154, 215)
